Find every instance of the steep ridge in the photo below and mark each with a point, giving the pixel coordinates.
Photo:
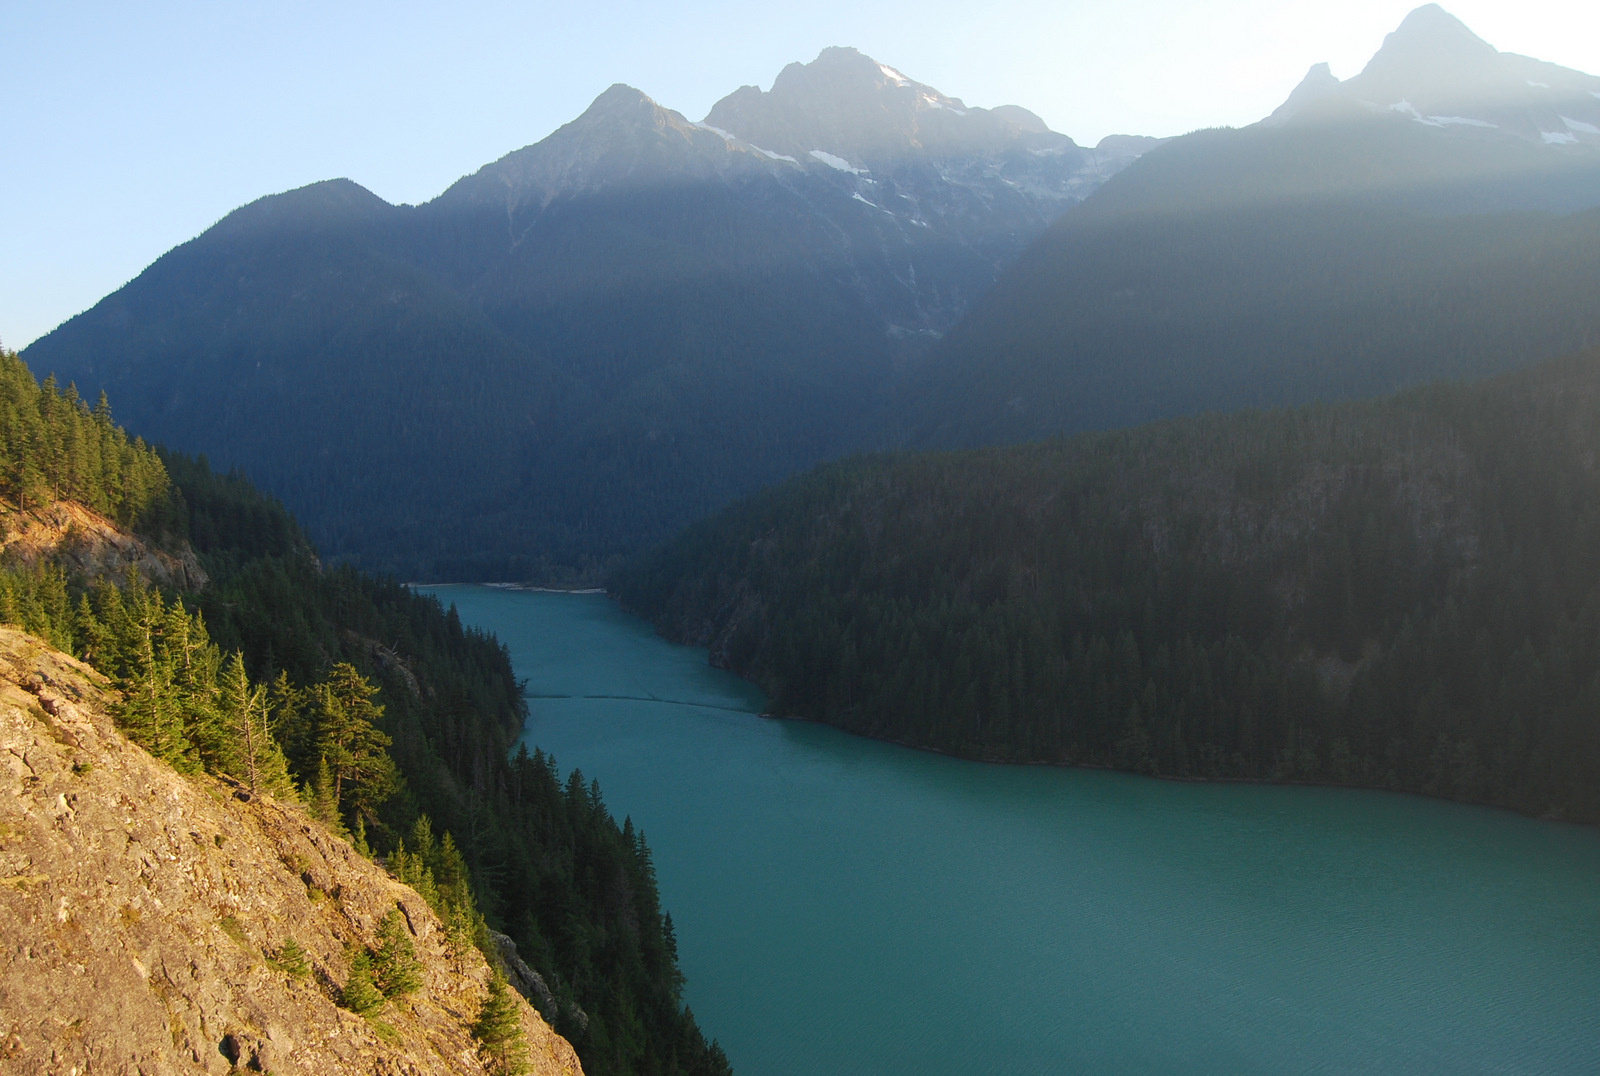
(1396, 593)
(143, 914)
(1341, 248)
(279, 664)
(594, 339)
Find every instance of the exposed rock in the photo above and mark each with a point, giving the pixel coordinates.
(140, 909)
(89, 544)
(387, 660)
(531, 985)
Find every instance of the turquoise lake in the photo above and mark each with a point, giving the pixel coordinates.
(845, 906)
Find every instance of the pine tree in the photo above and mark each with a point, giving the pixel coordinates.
(253, 756)
(360, 994)
(290, 724)
(498, 1030)
(319, 796)
(395, 967)
(353, 748)
(151, 711)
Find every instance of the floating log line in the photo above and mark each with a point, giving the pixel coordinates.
(652, 698)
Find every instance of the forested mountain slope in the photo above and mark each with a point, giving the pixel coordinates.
(596, 338)
(1348, 246)
(373, 706)
(1399, 593)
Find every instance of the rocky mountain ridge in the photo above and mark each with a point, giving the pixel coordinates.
(840, 138)
(144, 915)
(1436, 72)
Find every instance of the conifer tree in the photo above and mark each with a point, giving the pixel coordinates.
(395, 967)
(319, 796)
(290, 723)
(360, 994)
(351, 745)
(498, 1030)
(253, 755)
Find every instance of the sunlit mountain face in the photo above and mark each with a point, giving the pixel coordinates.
(912, 197)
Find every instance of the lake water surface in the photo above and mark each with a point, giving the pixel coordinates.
(845, 906)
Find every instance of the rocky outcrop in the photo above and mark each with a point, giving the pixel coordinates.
(531, 985)
(90, 546)
(142, 913)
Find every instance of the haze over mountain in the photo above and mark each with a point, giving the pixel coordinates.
(1437, 72)
(1424, 220)
(595, 338)
(611, 332)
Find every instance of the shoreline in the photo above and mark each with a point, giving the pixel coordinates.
(1176, 778)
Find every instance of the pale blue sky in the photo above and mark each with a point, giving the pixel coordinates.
(126, 129)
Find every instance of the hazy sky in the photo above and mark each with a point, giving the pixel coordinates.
(127, 128)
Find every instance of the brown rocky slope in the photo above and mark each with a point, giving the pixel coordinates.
(140, 909)
(90, 546)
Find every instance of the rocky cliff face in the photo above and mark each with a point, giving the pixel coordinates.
(141, 913)
(90, 546)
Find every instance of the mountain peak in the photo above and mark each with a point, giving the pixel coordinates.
(624, 138)
(1432, 48)
(623, 104)
(849, 106)
(1318, 85)
(1436, 72)
(840, 67)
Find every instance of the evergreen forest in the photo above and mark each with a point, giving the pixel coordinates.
(1401, 593)
(372, 705)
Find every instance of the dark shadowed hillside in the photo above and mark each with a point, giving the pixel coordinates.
(1398, 593)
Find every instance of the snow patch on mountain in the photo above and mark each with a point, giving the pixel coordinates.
(1408, 109)
(894, 76)
(1579, 125)
(1557, 138)
(833, 161)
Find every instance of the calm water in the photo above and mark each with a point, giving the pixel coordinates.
(844, 906)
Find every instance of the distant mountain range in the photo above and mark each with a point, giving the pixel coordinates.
(609, 333)
(596, 338)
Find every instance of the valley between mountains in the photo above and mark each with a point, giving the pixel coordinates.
(1260, 456)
